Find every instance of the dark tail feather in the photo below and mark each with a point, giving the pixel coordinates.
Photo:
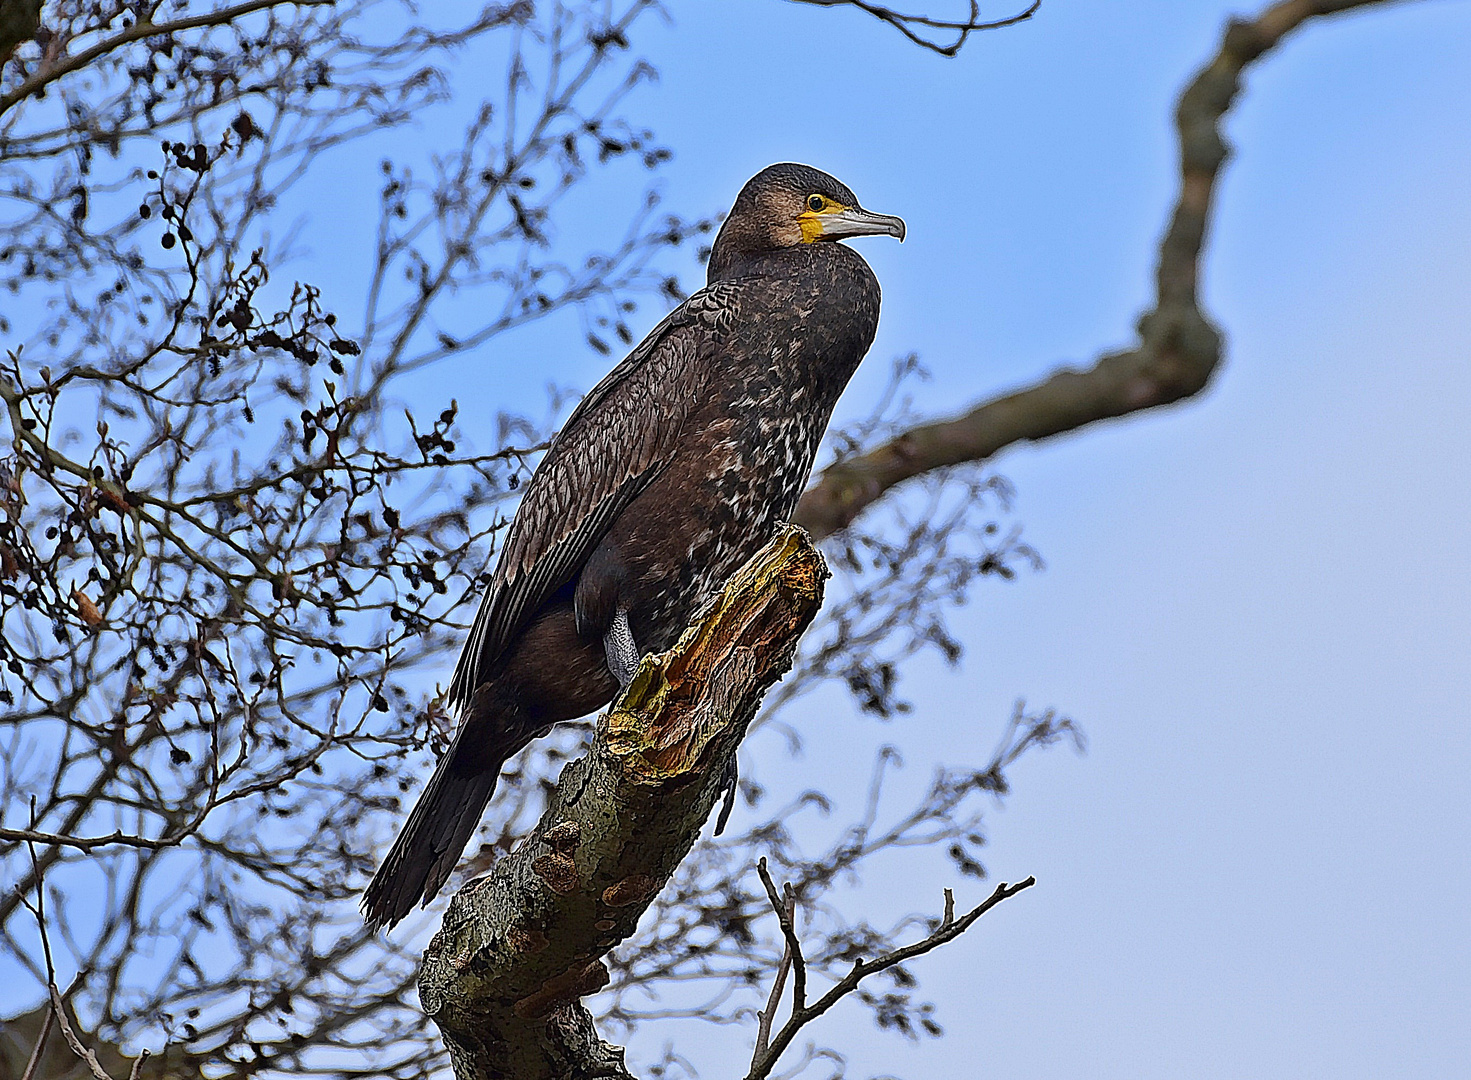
(443, 820)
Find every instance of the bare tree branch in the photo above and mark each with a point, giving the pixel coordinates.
(1179, 348)
(52, 69)
(58, 1007)
(920, 28)
(518, 949)
(948, 930)
(36, 1054)
(89, 843)
(57, 1000)
(785, 907)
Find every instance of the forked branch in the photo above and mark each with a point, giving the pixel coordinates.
(925, 30)
(786, 911)
(949, 928)
(56, 1015)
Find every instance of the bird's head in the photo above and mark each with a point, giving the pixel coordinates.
(784, 206)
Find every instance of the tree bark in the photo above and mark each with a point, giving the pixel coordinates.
(519, 948)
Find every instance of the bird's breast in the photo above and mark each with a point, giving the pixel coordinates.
(768, 382)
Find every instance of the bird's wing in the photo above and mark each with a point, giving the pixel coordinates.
(616, 440)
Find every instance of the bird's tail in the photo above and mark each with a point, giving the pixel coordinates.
(440, 826)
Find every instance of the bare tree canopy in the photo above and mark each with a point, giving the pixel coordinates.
(239, 541)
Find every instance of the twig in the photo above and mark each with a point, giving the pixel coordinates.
(39, 909)
(791, 957)
(786, 912)
(139, 30)
(58, 1002)
(963, 28)
(35, 1062)
(59, 1008)
(90, 843)
(862, 969)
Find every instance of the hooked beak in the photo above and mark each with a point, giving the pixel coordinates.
(854, 221)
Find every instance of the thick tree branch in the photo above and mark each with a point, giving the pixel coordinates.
(1178, 350)
(518, 949)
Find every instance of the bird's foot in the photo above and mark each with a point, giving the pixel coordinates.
(731, 781)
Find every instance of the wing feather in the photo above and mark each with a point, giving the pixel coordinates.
(616, 440)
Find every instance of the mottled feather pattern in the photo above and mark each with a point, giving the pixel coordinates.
(667, 476)
(618, 435)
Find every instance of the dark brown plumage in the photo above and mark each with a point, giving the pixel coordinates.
(673, 471)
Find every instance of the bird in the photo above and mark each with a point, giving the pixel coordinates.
(668, 475)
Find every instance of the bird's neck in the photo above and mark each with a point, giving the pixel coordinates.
(736, 245)
(731, 260)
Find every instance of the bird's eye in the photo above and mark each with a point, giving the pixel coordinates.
(815, 203)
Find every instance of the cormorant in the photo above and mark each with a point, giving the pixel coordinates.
(666, 478)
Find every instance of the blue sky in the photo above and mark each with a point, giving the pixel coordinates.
(1257, 604)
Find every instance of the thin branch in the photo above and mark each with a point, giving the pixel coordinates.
(49, 73)
(31, 1066)
(91, 843)
(39, 911)
(58, 1003)
(785, 907)
(786, 910)
(862, 969)
(59, 1008)
(905, 23)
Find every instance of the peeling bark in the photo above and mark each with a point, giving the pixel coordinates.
(518, 949)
